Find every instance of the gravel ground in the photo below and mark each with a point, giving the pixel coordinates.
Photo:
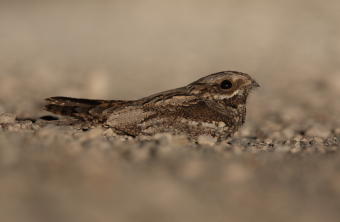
(282, 165)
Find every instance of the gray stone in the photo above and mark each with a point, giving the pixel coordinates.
(242, 141)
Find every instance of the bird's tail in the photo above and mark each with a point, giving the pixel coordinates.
(84, 109)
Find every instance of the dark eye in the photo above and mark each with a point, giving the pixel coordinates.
(226, 84)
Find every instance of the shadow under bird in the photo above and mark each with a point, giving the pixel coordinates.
(214, 105)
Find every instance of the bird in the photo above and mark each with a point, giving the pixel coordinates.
(214, 105)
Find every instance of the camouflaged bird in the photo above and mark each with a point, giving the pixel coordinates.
(213, 105)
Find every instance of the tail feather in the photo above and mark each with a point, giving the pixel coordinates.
(68, 101)
(84, 109)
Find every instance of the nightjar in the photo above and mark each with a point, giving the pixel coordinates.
(214, 105)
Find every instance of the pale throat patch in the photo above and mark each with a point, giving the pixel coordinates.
(224, 96)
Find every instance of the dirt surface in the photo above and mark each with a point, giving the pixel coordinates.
(282, 165)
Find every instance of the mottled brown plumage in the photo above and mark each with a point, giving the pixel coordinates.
(213, 105)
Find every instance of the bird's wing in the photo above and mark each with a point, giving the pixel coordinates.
(135, 118)
(170, 111)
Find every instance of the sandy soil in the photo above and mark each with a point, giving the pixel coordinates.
(283, 165)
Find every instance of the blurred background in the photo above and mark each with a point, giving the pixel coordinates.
(130, 49)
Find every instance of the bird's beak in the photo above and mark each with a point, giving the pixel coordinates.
(255, 84)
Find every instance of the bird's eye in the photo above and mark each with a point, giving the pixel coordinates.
(226, 84)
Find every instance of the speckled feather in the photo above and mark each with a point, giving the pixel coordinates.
(202, 107)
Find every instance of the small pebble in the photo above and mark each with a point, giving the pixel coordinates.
(109, 133)
(35, 126)
(7, 118)
(163, 138)
(318, 139)
(295, 150)
(268, 141)
(179, 140)
(336, 131)
(206, 140)
(93, 133)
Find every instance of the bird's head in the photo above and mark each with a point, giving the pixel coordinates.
(231, 87)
